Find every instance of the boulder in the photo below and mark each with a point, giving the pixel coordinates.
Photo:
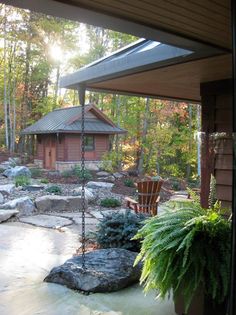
(106, 270)
(24, 205)
(103, 174)
(47, 221)
(99, 185)
(33, 187)
(109, 178)
(7, 189)
(118, 175)
(58, 203)
(5, 214)
(89, 196)
(1, 198)
(5, 165)
(17, 171)
(14, 161)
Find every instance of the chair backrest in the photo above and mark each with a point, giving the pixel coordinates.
(148, 193)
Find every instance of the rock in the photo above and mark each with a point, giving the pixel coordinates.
(89, 196)
(1, 198)
(5, 165)
(99, 185)
(14, 161)
(109, 178)
(5, 214)
(47, 221)
(106, 270)
(58, 203)
(17, 171)
(24, 205)
(118, 175)
(7, 189)
(34, 187)
(103, 174)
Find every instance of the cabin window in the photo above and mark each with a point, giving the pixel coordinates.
(89, 143)
(39, 139)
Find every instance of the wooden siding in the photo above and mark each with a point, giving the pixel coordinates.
(217, 154)
(73, 147)
(61, 148)
(73, 152)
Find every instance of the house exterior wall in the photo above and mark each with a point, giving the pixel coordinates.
(217, 154)
(68, 150)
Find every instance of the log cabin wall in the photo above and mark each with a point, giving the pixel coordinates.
(217, 151)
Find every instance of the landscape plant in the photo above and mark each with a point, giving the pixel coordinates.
(110, 203)
(129, 182)
(56, 190)
(86, 174)
(185, 249)
(44, 181)
(36, 172)
(116, 230)
(22, 181)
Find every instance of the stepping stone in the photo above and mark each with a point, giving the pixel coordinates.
(47, 221)
(106, 270)
(5, 214)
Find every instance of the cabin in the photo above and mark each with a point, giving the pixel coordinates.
(58, 137)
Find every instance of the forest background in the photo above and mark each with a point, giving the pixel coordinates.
(35, 50)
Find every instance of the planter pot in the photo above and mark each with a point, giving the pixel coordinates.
(201, 305)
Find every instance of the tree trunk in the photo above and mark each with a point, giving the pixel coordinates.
(144, 136)
(5, 82)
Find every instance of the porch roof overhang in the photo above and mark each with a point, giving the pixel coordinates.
(203, 27)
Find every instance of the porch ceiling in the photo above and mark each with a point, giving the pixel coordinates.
(168, 21)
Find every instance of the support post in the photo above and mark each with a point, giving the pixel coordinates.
(232, 304)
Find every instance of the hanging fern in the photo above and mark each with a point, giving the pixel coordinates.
(184, 249)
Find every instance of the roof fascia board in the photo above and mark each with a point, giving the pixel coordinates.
(154, 96)
(146, 60)
(76, 13)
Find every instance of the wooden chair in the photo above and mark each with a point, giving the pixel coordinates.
(148, 197)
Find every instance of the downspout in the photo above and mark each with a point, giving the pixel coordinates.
(232, 305)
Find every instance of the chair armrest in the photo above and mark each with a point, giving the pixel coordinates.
(130, 200)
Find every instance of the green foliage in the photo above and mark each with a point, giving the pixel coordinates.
(36, 172)
(56, 190)
(2, 170)
(117, 230)
(86, 174)
(129, 182)
(22, 181)
(109, 161)
(67, 173)
(110, 203)
(184, 249)
(44, 181)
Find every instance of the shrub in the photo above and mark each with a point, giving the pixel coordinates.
(22, 181)
(86, 174)
(110, 202)
(56, 190)
(2, 170)
(117, 229)
(44, 181)
(36, 172)
(129, 182)
(67, 173)
(185, 249)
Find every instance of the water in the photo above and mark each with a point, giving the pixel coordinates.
(28, 253)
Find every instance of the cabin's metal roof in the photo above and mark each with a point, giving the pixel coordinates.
(61, 121)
